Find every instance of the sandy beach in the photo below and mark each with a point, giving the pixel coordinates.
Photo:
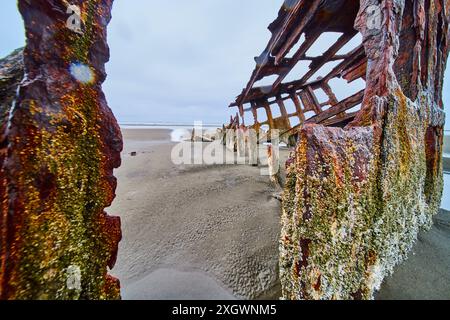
(193, 232)
(211, 232)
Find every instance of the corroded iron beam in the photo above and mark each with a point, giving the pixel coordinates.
(58, 155)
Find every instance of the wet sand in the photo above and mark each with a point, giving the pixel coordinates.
(211, 232)
(426, 273)
(208, 232)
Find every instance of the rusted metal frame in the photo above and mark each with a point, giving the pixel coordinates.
(340, 57)
(358, 54)
(282, 106)
(265, 104)
(284, 71)
(325, 58)
(298, 107)
(254, 110)
(297, 32)
(329, 92)
(285, 88)
(241, 109)
(282, 23)
(342, 106)
(354, 56)
(325, 115)
(283, 110)
(259, 73)
(333, 58)
(276, 36)
(269, 70)
(355, 72)
(309, 41)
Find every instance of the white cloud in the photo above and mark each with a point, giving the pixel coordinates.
(176, 60)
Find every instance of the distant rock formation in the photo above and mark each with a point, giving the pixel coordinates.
(58, 155)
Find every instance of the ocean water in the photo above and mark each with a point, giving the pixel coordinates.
(165, 125)
(180, 134)
(180, 131)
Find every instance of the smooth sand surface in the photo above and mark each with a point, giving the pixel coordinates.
(426, 273)
(211, 232)
(213, 229)
(173, 284)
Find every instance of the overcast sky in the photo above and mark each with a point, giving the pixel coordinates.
(175, 61)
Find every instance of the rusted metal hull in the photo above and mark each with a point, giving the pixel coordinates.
(61, 147)
(357, 197)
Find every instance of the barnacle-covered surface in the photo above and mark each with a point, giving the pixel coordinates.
(63, 144)
(356, 198)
